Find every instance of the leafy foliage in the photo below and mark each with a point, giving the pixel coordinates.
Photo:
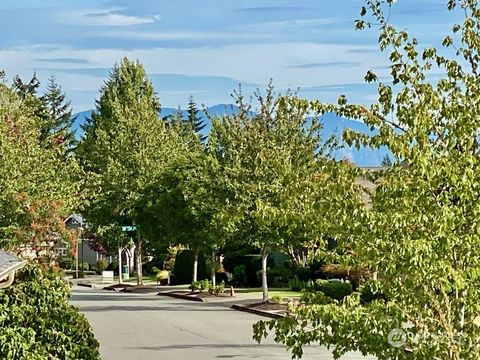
(38, 183)
(418, 231)
(38, 322)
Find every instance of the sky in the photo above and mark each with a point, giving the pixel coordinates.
(205, 49)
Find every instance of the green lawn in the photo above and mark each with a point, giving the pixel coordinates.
(146, 279)
(283, 293)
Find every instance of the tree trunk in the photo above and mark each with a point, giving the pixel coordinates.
(119, 264)
(212, 271)
(139, 262)
(265, 253)
(195, 265)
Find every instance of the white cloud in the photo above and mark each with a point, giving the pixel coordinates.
(249, 63)
(110, 17)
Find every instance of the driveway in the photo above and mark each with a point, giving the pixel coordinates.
(139, 326)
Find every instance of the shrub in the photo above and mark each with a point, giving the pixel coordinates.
(353, 274)
(184, 267)
(194, 286)
(217, 289)
(296, 284)
(201, 285)
(113, 266)
(303, 273)
(276, 299)
(162, 277)
(278, 276)
(239, 275)
(84, 266)
(102, 264)
(66, 262)
(38, 322)
(333, 289)
(154, 270)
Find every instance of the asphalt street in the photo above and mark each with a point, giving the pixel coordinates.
(139, 326)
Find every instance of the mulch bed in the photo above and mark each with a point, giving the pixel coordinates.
(118, 287)
(142, 289)
(192, 296)
(266, 309)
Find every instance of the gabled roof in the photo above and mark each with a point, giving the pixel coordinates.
(76, 217)
(9, 263)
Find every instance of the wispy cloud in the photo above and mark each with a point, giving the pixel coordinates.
(111, 17)
(342, 64)
(63, 60)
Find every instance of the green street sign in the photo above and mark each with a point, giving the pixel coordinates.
(129, 228)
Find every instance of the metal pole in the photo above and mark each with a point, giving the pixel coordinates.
(119, 264)
(76, 259)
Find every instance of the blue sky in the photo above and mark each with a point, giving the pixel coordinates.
(206, 48)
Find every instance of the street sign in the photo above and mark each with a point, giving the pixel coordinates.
(129, 228)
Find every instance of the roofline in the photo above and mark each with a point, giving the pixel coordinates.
(14, 267)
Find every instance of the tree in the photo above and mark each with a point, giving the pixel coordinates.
(272, 174)
(386, 161)
(58, 124)
(184, 201)
(38, 187)
(194, 121)
(420, 232)
(124, 149)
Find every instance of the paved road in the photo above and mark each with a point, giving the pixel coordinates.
(136, 326)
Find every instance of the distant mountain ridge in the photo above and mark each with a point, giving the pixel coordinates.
(332, 125)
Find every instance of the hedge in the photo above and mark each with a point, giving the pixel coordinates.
(38, 322)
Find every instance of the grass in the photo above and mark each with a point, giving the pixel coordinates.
(146, 279)
(283, 293)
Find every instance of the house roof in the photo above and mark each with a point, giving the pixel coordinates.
(77, 217)
(9, 263)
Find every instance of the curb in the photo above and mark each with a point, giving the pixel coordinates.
(256, 312)
(180, 296)
(91, 286)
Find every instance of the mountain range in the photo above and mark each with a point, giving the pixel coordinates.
(332, 125)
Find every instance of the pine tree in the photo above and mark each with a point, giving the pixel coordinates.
(386, 161)
(194, 121)
(58, 124)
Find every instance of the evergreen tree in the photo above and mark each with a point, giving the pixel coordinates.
(194, 121)
(59, 119)
(124, 149)
(386, 161)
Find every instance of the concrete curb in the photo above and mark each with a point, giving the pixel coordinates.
(91, 286)
(181, 296)
(256, 311)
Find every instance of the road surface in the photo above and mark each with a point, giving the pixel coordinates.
(139, 326)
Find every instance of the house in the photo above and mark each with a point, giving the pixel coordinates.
(9, 265)
(84, 251)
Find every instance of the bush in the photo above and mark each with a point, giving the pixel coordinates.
(249, 257)
(296, 284)
(113, 266)
(239, 275)
(38, 322)
(84, 266)
(336, 290)
(184, 267)
(66, 262)
(217, 289)
(162, 277)
(353, 274)
(303, 273)
(102, 264)
(154, 270)
(201, 285)
(276, 299)
(278, 276)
